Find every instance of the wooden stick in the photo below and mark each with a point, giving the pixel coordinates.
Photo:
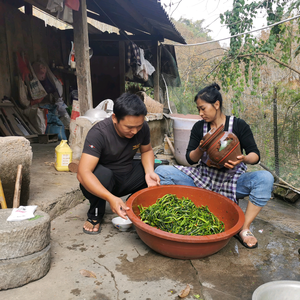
(2, 198)
(284, 182)
(16, 201)
(170, 145)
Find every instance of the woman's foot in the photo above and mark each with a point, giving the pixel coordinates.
(247, 238)
(91, 226)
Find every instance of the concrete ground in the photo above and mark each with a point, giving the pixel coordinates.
(117, 265)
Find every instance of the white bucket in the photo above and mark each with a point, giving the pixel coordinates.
(278, 290)
(182, 127)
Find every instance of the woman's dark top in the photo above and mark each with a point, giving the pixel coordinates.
(240, 128)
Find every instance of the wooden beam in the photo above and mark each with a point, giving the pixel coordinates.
(83, 70)
(122, 66)
(156, 61)
(28, 9)
(134, 38)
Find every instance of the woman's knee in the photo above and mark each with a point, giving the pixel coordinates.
(164, 170)
(266, 179)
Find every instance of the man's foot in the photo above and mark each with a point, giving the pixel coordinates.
(91, 226)
(247, 239)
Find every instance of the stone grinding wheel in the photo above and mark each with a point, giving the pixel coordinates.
(24, 249)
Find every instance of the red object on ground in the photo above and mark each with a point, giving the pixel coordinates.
(183, 246)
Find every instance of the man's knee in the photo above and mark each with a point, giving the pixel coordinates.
(104, 175)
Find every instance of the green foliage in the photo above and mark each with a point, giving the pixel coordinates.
(195, 27)
(250, 52)
(193, 65)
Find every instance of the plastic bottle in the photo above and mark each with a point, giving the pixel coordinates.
(63, 156)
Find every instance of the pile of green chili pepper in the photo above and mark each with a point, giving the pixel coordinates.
(181, 216)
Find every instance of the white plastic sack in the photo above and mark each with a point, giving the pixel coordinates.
(22, 213)
(53, 79)
(145, 68)
(36, 89)
(106, 105)
(37, 118)
(55, 5)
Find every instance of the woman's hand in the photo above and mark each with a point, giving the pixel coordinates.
(200, 146)
(231, 164)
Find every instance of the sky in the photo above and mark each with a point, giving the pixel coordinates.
(207, 10)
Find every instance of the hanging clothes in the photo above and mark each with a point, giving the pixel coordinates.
(145, 68)
(133, 56)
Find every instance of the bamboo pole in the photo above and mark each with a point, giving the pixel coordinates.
(2, 198)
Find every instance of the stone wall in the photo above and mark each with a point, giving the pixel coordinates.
(13, 152)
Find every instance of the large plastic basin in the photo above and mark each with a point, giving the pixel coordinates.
(181, 246)
(278, 290)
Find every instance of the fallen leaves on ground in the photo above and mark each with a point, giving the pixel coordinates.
(185, 292)
(87, 273)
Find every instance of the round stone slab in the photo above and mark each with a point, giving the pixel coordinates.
(21, 238)
(20, 271)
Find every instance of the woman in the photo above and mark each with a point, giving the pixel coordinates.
(232, 180)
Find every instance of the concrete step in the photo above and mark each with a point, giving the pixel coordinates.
(52, 191)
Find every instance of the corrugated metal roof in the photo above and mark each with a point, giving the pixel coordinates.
(135, 16)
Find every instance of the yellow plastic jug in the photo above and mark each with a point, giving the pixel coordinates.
(63, 156)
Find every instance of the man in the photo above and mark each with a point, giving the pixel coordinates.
(107, 170)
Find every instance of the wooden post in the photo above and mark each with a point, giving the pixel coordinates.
(156, 60)
(18, 184)
(83, 71)
(28, 9)
(122, 66)
(275, 126)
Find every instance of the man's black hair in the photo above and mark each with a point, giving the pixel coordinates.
(129, 105)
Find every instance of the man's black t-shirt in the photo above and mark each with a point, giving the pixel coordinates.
(114, 152)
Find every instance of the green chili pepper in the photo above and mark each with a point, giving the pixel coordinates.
(181, 216)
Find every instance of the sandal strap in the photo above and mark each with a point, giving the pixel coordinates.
(93, 222)
(246, 232)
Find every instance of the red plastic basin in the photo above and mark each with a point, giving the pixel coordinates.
(181, 246)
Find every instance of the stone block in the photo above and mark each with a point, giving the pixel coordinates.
(15, 151)
(21, 238)
(20, 271)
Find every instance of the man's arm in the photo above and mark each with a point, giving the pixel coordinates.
(147, 158)
(91, 183)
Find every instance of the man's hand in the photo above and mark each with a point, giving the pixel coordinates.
(119, 207)
(152, 179)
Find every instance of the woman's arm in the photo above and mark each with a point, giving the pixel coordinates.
(193, 152)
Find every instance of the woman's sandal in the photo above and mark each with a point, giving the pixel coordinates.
(94, 223)
(242, 235)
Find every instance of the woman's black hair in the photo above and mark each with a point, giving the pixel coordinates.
(129, 105)
(210, 94)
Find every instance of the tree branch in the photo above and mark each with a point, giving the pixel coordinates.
(271, 57)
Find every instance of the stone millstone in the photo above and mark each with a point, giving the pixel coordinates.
(21, 238)
(19, 271)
